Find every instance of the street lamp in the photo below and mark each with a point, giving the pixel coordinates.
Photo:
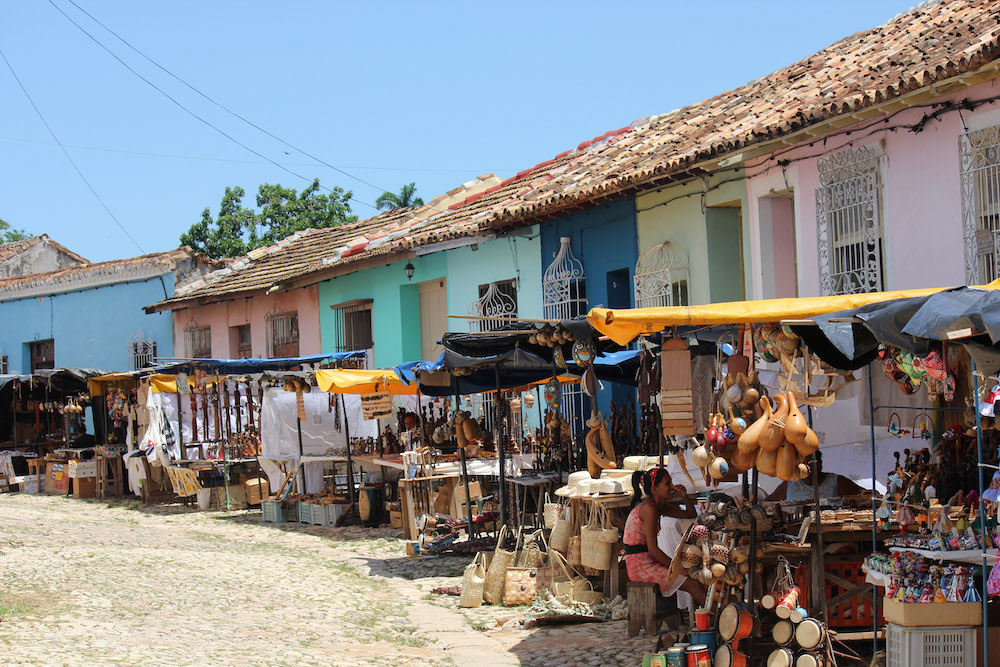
(408, 270)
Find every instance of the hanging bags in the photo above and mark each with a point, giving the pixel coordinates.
(495, 575)
(473, 583)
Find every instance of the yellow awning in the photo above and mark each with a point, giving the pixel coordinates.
(98, 384)
(360, 381)
(167, 384)
(623, 326)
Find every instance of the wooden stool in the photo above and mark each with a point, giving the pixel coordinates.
(642, 608)
(110, 480)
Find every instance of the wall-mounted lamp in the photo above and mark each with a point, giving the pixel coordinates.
(408, 270)
(474, 247)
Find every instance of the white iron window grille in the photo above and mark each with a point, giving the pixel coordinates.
(199, 340)
(979, 154)
(661, 277)
(497, 302)
(4, 368)
(564, 296)
(282, 333)
(849, 222)
(142, 350)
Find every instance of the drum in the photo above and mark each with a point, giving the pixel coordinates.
(709, 638)
(698, 655)
(736, 623)
(810, 633)
(789, 602)
(783, 632)
(677, 656)
(781, 657)
(798, 615)
(768, 602)
(730, 656)
(811, 660)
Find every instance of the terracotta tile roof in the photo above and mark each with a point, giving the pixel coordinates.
(8, 250)
(928, 44)
(314, 249)
(125, 269)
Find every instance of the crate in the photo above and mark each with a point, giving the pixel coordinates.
(271, 510)
(315, 514)
(931, 647)
(926, 614)
(333, 512)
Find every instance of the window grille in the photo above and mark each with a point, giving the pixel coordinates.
(849, 222)
(496, 300)
(4, 368)
(979, 154)
(282, 334)
(352, 327)
(142, 351)
(564, 296)
(199, 340)
(661, 277)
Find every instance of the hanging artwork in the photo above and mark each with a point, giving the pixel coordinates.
(553, 392)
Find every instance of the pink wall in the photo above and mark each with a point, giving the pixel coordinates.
(252, 310)
(921, 207)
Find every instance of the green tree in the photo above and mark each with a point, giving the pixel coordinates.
(237, 230)
(8, 234)
(405, 198)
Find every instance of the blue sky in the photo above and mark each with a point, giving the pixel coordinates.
(390, 92)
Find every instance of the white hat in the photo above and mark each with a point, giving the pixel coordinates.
(575, 485)
(634, 463)
(606, 487)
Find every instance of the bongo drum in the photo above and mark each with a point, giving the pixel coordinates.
(783, 632)
(736, 623)
(730, 656)
(677, 656)
(789, 602)
(768, 602)
(698, 655)
(781, 657)
(810, 633)
(798, 615)
(811, 660)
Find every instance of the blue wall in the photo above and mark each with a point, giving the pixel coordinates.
(90, 327)
(604, 239)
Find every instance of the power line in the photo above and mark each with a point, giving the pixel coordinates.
(192, 113)
(209, 158)
(66, 153)
(218, 104)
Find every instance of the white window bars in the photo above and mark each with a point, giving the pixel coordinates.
(199, 340)
(282, 334)
(141, 350)
(564, 291)
(979, 154)
(497, 303)
(849, 221)
(661, 277)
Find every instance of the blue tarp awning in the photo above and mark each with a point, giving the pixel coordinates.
(253, 365)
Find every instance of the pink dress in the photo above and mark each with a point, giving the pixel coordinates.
(642, 567)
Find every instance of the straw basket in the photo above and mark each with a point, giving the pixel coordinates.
(598, 540)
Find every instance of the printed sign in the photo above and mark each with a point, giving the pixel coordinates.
(376, 405)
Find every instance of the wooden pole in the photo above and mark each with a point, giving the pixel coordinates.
(501, 457)
(818, 578)
(465, 477)
(350, 461)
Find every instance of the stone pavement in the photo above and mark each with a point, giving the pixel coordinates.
(93, 583)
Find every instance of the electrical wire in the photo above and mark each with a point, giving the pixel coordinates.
(66, 153)
(192, 113)
(218, 104)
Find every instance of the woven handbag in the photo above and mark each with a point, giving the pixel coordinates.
(473, 583)
(573, 556)
(561, 532)
(568, 585)
(502, 559)
(550, 511)
(532, 551)
(596, 550)
(520, 586)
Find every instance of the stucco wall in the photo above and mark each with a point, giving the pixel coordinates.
(395, 307)
(38, 258)
(676, 214)
(502, 259)
(90, 327)
(253, 311)
(921, 200)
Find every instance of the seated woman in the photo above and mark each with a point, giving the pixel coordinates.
(644, 560)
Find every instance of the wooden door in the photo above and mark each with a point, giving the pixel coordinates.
(433, 317)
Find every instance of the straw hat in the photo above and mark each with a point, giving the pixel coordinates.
(577, 486)
(633, 463)
(605, 487)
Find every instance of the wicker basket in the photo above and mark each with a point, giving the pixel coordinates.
(550, 511)
(561, 532)
(573, 555)
(598, 541)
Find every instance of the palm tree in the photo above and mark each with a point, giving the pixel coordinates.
(405, 198)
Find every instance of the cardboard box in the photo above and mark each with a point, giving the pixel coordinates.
(257, 489)
(395, 519)
(29, 484)
(56, 478)
(81, 469)
(4, 486)
(932, 614)
(85, 487)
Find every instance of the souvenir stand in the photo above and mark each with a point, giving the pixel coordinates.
(817, 358)
(40, 432)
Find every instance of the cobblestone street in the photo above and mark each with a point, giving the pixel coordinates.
(88, 583)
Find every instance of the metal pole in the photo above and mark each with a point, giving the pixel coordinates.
(982, 511)
(501, 458)
(298, 429)
(752, 586)
(871, 426)
(819, 577)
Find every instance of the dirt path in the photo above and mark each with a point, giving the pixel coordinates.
(87, 583)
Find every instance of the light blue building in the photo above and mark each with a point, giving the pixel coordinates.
(91, 315)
